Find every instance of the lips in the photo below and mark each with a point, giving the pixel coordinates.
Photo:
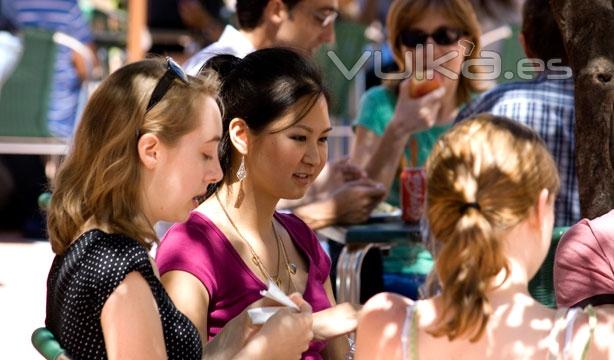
(302, 178)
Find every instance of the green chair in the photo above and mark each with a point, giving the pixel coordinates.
(541, 286)
(25, 95)
(45, 343)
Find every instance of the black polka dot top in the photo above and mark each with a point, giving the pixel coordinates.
(82, 279)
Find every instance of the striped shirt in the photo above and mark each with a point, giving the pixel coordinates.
(63, 16)
(547, 106)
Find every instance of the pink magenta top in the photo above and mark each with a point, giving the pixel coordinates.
(200, 248)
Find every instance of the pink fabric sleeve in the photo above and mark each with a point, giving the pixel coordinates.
(583, 266)
(320, 259)
(188, 247)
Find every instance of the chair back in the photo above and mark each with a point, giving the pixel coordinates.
(45, 343)
(541, 286)
(24, 97)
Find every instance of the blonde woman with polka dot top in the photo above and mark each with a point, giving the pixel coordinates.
(145, 151)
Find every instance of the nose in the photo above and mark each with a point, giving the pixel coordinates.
(215, 174)
(312, 155)
(328, 34)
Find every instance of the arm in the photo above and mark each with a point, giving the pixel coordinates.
(239, 339)
(382, 312)
(351, 203)
(334, 322)
(364, 146)
(191, 297)
(131, 323)
(410, 116)
(286, 335)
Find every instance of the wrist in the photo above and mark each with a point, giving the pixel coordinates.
(397, 131)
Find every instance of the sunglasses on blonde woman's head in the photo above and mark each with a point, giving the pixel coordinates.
(173, 71)
(443, 36)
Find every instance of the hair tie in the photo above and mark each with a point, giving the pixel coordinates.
(466, 207)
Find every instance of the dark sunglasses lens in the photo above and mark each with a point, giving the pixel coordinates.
(173, 70)
(413, 38)
(446, 36)
(177, 70)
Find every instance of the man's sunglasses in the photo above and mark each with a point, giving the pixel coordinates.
(444, 36)
(173, 71)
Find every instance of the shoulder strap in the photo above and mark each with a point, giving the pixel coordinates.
(592, 324)
(560, 323)
(409, 334)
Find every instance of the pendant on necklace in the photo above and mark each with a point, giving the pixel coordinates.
(292, 268)
(255, 260)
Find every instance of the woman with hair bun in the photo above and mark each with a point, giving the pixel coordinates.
(490, 200)
(274, 145)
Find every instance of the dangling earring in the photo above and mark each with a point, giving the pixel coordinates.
(242, 172)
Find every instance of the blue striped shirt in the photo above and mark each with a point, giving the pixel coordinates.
(64, 16)
(546, 106)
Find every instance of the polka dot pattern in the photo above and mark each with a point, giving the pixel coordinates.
(82, 279)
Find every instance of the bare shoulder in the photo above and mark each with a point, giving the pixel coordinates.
(379, 327)
(388, 303)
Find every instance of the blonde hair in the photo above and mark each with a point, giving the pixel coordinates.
(100, 178)
(484, 176)
(403, 13)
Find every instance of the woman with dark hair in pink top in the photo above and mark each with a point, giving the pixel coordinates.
(274, 145)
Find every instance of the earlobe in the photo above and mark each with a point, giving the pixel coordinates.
(148, 149)
(239, 135)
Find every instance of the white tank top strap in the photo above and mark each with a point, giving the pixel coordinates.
(409, 333)
(563, 321)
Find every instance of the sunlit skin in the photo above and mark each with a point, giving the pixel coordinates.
(431, 20)
(281, 161)
(298, 152)
(181, 172)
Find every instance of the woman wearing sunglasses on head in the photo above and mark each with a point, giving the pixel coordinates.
(274, 145)
(144, 151)
(399, 121)
(490, 204)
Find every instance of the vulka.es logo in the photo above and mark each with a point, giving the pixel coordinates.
(487, 66)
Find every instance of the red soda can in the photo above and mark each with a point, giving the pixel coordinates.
(413, 193)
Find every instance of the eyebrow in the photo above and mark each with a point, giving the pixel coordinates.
(328, 8)
(307, 128)
(214, 139)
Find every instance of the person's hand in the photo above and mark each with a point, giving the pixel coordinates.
(413, 115)
(338, 173)
(355, 200)
(347, 171)
(338, 320)
(288, 332)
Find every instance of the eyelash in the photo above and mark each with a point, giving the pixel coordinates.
(207, 157)
(304, 138)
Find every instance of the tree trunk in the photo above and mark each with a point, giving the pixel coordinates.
(587, 27)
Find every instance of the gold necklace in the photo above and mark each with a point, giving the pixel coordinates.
(290, 267)
(255, 258)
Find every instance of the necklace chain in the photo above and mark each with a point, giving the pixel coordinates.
(290, 267)
(255, 258)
